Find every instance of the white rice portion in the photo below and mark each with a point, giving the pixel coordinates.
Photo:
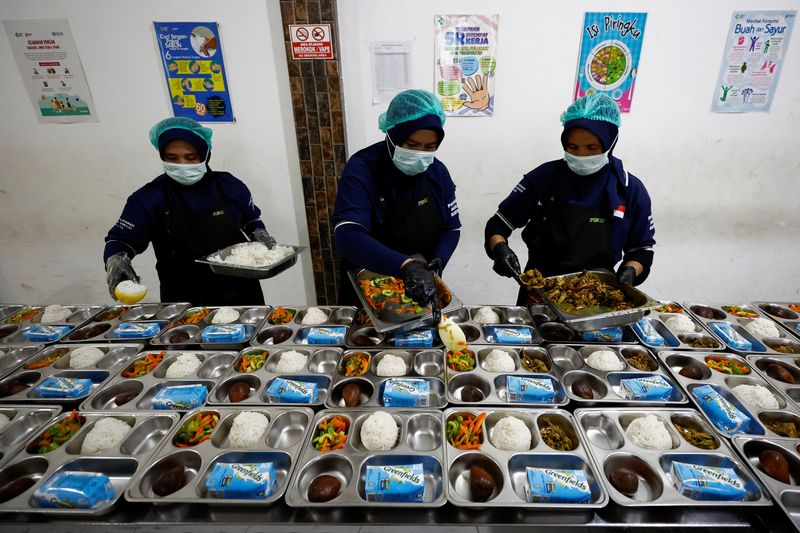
(680, 324)
(291, 362)
(55, 313)
(499, 361)
(605, 360)
(254, 254)
(763, 327)
(756, 396)
(511, 433)
(314, 316)
(106, 433)
(379, 431)
(487, 315)
(184, 365)
(649, 432)
(225, 315)
(4, 420)
(130, 287)
(247, 428)
(85, 356)
(391, 365)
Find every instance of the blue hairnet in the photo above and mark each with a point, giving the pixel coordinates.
(181, 123)
(410, 105)
(595, 106)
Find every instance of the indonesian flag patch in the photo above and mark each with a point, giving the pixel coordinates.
(619, 211)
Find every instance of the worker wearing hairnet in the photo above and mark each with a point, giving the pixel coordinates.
(396, 200)
(187, 212)
(580, 212)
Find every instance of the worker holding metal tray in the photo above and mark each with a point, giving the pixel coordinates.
(584, 211)
(396, 200)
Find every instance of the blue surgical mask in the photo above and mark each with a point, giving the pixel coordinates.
(588, 164)
(185, 174)
(411, 162)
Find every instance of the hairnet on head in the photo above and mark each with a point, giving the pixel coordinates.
(179, 123)
(410, 105)
(595, 106)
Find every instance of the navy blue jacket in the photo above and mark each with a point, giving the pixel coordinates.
(143, 219)
(357, 209)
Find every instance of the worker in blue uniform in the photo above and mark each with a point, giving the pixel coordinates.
(584, 211)
(396, 200)
(187, 212)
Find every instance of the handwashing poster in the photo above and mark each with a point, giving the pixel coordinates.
(611, 45)
(466, 57)
(192, 56)
(752, 61)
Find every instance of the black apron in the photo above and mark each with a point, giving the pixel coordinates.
(407, 226)
(191, 235)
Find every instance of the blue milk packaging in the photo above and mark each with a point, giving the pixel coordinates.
(724, 414)
(603, 335)
(646, 388)
(406, 393)
(131, 330)
(529, 389)
(74, 490)
(241, 481)
(181, 397)
(548, 485)
(42, 333)
(510, 335)
(419, 338)
(395, 483)
(700, 482)
(732, 337)
(326, 335)
(224, 333)
(55, 387)
(292, 391)
(648, 333)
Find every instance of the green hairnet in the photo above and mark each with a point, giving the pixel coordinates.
(410, 105)
(595, 106)
(181, 123)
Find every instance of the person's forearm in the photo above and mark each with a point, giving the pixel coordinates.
(494, 240)
(637, 266)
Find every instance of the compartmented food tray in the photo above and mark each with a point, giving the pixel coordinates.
(24, 325)
(785, 313)
(127, 323)
(784, 375)
(23, 422)
(284, 326)
(191, 329)
(671, 327)
(251, 272)
(12, 355)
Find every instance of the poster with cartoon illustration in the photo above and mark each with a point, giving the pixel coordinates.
(754, 53)
(466, 57)
(191, 53)
(48, 61)
(611, 45)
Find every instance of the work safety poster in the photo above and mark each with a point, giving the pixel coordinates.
(51, 69)
(195, 71)
(611, 45)
(466, 57)
(754, 52)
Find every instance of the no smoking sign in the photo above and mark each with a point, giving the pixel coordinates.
(311, 41)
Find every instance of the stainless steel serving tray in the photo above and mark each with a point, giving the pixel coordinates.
(592, 322)
(280, 444)
(101, 328)
(12, 355)
(250, 272)
(9, 309)
(604, 431)
(120, 463)
(250, 317)
(14, 332)
(678, 340)
(295, 332)
(780, 312)
(789, 362)
(510, 317)
(419, 441)
(552, 331)
(24, 421)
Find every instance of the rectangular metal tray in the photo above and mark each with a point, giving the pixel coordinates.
(780, 313)
(592, 322)
(121, 463)
(724, 383)
(510, 316)
(100, 329)
(242, 271)
(12, 355)
(280, 444)
(604, 431)
(24, 422)
(679, 340)
(295, 332)
(790, 363)
(251, 317)
(552, 331)
(570, 358)
(419, 441)
(81, 314)
(8, 309)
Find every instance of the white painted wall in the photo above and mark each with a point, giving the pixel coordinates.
(725, 188)
(63, 186)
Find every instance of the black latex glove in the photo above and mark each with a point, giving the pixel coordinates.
(119, 269)
(505, 261)
(435, 265)
(263, 236)
(418, 282)
(626, 275)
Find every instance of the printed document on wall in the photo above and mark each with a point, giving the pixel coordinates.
(391, 62)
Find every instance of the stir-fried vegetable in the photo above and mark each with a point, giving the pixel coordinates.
(23, 315)
(331, 434)
(57, 434)
(669, 308)
(250, 362)
(281, 315)
(197, 430)
(143, 365)
(193, 317)
(795, 307)
(464, 431)
(48, 360)
(112, 313)
(461, 361)
(355, 364)
(727, 366)
(362, 318)
(737, 310)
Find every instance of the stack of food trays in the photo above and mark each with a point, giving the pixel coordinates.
(51, 364)
(590, 386)
(723, 372)
(515, 325)
(12, 355)
(179, 470)
(670, 327)
(785, 313)
(285, 326)
(23, 422)
(419, 442)
(60, 449)
(782, 372)
(24, 324)
(199, 327)
(636, 476)
(255, 369)
(552, 331)
(123, 323)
